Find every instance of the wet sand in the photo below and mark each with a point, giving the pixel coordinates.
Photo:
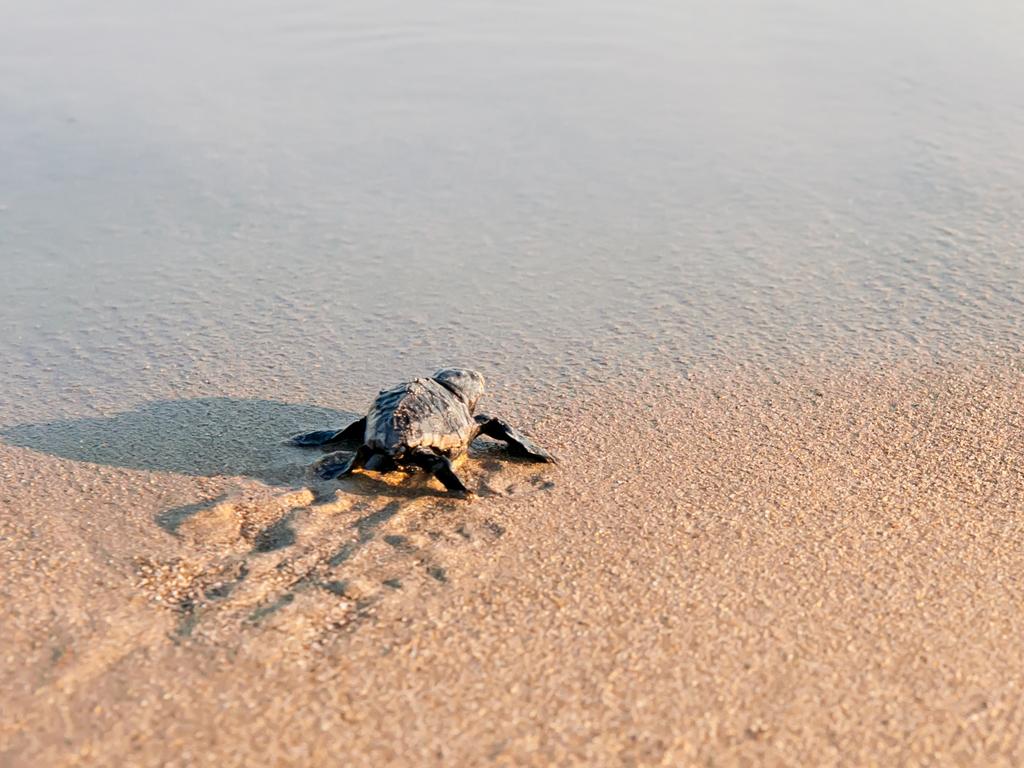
(734, 566)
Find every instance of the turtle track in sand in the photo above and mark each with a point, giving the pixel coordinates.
(315, 562)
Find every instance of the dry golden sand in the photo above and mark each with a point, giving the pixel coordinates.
(820, 566)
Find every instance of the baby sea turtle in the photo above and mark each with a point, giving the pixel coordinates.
(424, 423)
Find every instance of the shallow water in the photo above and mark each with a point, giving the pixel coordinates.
(213, 200)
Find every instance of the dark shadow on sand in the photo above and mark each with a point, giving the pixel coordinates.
(203, 437)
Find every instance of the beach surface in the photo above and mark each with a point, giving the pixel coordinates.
(752, 271)
(727, 568)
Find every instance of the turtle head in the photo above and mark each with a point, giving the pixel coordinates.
(468, 386)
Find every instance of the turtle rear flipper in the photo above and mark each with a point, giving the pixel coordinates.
(353, 431)
(518, 443)
(339, 464)
(440, 467)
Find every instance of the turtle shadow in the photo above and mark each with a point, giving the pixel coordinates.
(202, 437)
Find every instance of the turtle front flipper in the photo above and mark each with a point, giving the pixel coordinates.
(440, 467)
(354, 431)
(518, 443)
(340, 463)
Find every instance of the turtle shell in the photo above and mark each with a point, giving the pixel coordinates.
(422, 413)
